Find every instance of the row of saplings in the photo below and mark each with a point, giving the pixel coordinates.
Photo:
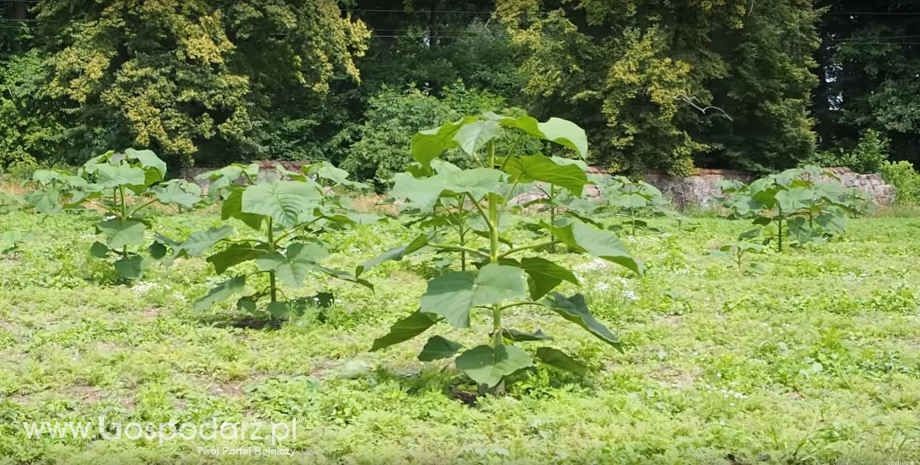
(459, 208)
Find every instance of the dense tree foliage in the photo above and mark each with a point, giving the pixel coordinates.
(870, 61)
(656, 84)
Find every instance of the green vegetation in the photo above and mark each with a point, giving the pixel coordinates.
(286, 210)
(812, 361)
(796, 203)
(122, 187)
(459, 197)
(758, 86)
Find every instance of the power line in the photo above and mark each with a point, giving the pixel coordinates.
(875, 13)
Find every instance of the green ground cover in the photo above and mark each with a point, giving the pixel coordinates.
(814, 360)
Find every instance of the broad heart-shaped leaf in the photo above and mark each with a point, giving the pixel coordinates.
(454, 294)
(232, 207)
(406, 329)
(575, 309)
(518, 336)
(99, 250)
(561, 360)
(437, 348)
(111, 176)
(149, 161)
(119, 234)
(423, 193)
(795, 198)
(396, 253)
(221, 292)
(44, 201)
(292, 266)
(541, 168)
(488, 366)
(543, 276)
(560, 131)
(236, 254)
(283, 201)
(429, 144)
(833, 222)
(473, 136)
(131, 267)
(601, 244)
(279, 310)
(201, 241)
(179, 192)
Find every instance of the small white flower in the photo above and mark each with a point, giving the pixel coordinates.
(622, 280)
(602, 287)
(316, 299)
(630, 295)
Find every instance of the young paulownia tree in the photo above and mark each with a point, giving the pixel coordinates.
(503, 276)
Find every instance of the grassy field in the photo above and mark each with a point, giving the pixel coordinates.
(817, 360)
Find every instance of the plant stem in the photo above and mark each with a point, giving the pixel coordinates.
(271, 274)
(552, 214)
(455, 248)
(145, 205)
(461, 230)
(527, 247)
(497, 340)
(779, 237)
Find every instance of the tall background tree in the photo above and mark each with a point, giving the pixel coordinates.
(870, 74)
(658, 84)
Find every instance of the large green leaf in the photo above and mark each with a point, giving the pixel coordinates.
(406, 329)
(236, 254)
(396, 253)
(438, 348)
(221, 292)
(541, 168)
(543, 276)
(474, 136)
(131, 267)
(575, 309)
(561, 360)
(232, 207)
(283, 201)
(423, 193)
(795, 198)
(150, 162)
(601, 244)
(201, 241)
(488, 366)
(560, 131)
(833, 222)
(293, 266)
(518, 336)
(431, 143)
(179, 192)
(454, 294)
(119, 234)
(111, 176)
(45, 201)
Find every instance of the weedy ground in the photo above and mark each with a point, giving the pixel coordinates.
(817, 360)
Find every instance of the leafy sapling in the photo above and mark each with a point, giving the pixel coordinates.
(739, 251)
(795, 204)
(124, 186)
(284, 212)
(505, 276)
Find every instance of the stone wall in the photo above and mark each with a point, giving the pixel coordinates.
(702, 187)
(698, 189)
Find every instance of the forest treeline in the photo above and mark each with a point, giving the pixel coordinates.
(750, 84)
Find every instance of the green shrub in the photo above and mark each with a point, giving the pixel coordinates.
(867, 157)
(28, 132)
(382, 147)
(904, 178)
